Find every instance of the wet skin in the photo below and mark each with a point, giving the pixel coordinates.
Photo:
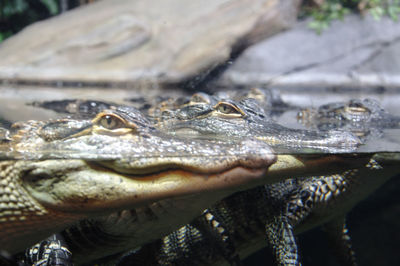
(366, 118)
(283, 167)
(67, 170)
(246, 119)
(238, 114)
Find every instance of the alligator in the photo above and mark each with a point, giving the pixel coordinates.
(247, 119)
(366, 117)
(270, 100)
(84, 109)
(294, 204)
(284, 167)
(109, 164)
(281, 166)
(280, 210)
(237, 226)
(92, 239)
(230, 107)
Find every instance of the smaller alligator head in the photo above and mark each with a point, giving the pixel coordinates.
(76, 107)
(246, 119)
(362, 117)
(269, 100)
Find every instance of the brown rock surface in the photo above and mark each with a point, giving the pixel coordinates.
(140, 41)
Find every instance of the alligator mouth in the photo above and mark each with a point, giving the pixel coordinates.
(167, 175)
(141, 167)
(92, 187)
(154, 170)
(124, 190)
(178, 182)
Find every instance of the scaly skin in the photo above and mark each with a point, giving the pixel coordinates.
(247, 119)
(235, 227)
(329, 209)
(239, 114)
(78, 108)
(130, 236)
(269, 100)
(234, 224)
(70, 170)
(366, 118)
(96, 238)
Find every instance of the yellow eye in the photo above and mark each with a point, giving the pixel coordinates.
(225, 109)
(356, 110)
(110, 122)
(228, 109)
(200, 98)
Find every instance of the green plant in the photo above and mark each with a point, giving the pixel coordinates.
(324, 11)
(16, 14)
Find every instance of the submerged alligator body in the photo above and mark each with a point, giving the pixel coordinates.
(69, 170)
(295, 206)
(237, 226)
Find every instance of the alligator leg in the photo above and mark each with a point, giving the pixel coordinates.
(340, 241)
(53, 251)
(281, 239)
(214, 229)
(49, 252)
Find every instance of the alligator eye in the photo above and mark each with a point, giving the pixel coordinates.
(356, 109)
(110, 122)
(225, 109)
(228, 109)
(200, 98)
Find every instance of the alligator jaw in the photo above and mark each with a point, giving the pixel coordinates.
(48, 199)
(93, 190)
(126, 230)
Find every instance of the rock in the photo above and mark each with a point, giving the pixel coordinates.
(357, 52)
(140, 42)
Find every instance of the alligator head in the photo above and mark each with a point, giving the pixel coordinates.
(247, 119)
(362, 117)
(67, 170)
